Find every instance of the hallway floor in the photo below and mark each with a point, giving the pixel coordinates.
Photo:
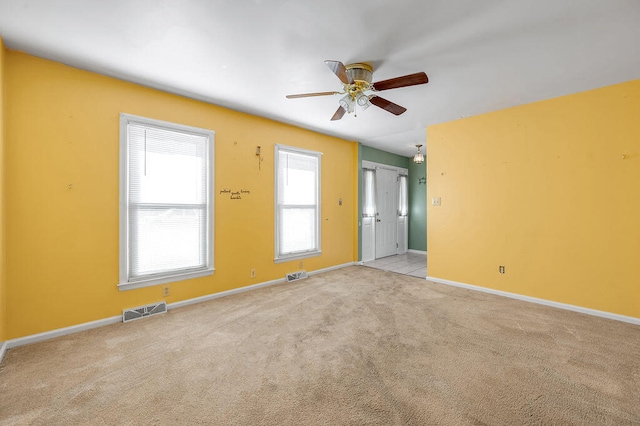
(414, 264)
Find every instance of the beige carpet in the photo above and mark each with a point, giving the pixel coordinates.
(355, 346)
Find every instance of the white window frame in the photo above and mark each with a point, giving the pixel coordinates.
(284, 257)
(125, 280)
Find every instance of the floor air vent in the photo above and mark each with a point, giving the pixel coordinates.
(143, 311)
(294, 276)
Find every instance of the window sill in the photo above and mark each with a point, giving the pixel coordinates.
(299, 256)
(164, 279)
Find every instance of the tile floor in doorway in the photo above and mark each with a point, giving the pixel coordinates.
(414, 264)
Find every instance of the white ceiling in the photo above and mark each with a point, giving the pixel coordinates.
(247, 55)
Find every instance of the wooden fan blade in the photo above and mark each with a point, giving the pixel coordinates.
(387, 105)
(339, 113)
(340, 70)
(308, 95)
(404, 81)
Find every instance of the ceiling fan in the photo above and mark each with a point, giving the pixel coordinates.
(356, 82)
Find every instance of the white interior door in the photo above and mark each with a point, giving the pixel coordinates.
(386, 212)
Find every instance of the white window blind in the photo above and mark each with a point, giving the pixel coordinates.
(368, 193)
(166, 202)
(403, 201)
(297, 203)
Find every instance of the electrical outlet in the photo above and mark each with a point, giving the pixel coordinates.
(253, 273)
(436, 201)
(166, 291)
(501, 269)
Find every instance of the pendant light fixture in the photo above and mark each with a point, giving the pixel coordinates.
(418, 158)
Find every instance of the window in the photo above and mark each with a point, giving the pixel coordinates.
(166, 202)
(403, 200)
(368, 193)
(297, 200)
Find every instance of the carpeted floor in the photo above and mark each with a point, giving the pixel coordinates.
(355, 346)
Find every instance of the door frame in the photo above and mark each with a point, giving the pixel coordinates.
(402, 223)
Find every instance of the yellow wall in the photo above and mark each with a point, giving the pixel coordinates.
(3, 318)
(550, 190)
(62, 242)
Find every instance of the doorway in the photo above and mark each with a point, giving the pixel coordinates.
(384, 211)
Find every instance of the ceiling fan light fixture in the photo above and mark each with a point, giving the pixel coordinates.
(418, 158)
(363, 101)
(347, 103)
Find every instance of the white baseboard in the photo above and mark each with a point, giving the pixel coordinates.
(200, 299)
(112, 320)
(588, 311)
(417, 251)
(331, 268)
(20, 341)
(207, 297)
